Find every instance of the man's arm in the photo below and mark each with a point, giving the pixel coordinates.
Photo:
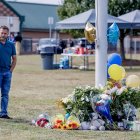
(14, 61)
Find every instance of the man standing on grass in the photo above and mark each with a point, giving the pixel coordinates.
(7, 65)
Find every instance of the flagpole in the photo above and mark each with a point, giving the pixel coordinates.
(101, 42)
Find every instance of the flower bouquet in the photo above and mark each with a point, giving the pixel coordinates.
(60, 122)
(115, 102)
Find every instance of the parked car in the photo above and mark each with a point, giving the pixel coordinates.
(49, 42)
(84, 43)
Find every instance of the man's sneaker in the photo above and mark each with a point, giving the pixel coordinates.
(5, 117)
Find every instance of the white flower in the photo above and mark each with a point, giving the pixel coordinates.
(101, 102)
(105, 97)
(88, 87)
(107, 92)
(114, 89)
(120, 91)
(100, 86)
(94, 99)
(65, 100)
(69, 107)
(70, 98)
(87, 100)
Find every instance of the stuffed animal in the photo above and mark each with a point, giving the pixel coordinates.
(96, 122)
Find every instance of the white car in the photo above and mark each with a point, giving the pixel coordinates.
(45, 43)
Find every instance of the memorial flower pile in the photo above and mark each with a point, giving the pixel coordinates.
(114, 104)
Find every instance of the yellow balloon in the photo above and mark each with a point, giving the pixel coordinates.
(132, 81)
(116, 72)
(90, 32)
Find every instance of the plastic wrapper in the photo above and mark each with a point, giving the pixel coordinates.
(73, 122)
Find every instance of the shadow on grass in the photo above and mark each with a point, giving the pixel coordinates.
(17, 120)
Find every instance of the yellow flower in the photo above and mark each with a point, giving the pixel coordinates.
(73, 125)
(69, 126)
(59, 126)
(64, 127)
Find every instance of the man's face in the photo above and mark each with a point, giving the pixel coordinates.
(3, 34)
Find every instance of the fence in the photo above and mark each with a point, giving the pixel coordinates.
(132, 45)
(29, 46)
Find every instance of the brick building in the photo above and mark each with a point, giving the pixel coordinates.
(32, 20)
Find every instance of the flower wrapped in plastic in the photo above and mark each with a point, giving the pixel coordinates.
(104, 110)
(83, 101)
(58, 121)
(73, 122)
(43, 120)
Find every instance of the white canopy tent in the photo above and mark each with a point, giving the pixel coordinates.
(133, 18)
(79, 21)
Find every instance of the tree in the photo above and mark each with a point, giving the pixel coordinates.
(74, 7)
(116, 8)
(120, 7)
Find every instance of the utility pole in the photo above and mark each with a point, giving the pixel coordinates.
(101, 7)
(10, 23)
(50, 22)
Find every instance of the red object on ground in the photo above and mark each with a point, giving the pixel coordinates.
(42, 122)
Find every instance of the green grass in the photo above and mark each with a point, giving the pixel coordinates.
(35, 91)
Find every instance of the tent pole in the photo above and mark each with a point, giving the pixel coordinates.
(131, 36)
(101, 43)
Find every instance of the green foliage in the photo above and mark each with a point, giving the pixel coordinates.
(79, 102)
(83, 100)
(75, 33)
(120, 7)
(131, 95)
(74, 7)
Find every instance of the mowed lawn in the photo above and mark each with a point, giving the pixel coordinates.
(35, 91)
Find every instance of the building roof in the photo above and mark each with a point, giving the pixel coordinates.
(36, 15)
(13, 10)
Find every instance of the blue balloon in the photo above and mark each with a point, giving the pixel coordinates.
(113, 34)
(114, 58)
(105, 111)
